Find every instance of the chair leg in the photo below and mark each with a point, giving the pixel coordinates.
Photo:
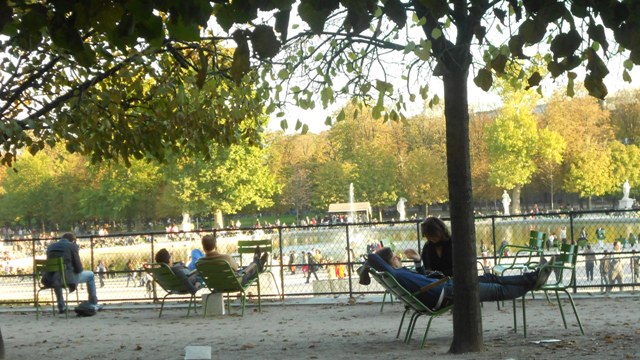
(259, 296)
(412, 326)
(66, 302)
(575, 311)
(275, 283)
(406, 334)
(424, 338)
(515, 317)
(191, 299)
(162, 306)
(406, 310)
(205, 304)
(384, 296)
(244, 300)
(37, 300)
(524, 317)
(564, 321)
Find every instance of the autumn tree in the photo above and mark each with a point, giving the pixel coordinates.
(625, 160)
(359, 39)
(480, 160)
(551, 148)
(424, 172)
(513, 144)
(232, 178)
(584, 124)
(591, 173)
(625, 115)
(293, 158)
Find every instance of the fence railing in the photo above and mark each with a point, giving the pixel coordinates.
(337, 248)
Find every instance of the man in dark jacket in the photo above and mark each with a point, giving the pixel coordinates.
(67, 249)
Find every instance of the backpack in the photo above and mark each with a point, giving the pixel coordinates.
(85, 309)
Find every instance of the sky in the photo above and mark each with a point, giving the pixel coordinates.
(478, 99)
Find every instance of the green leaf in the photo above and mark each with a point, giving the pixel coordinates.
(436, 33)
(625, 76)
(628, 64)
(394, 9)
(264, 42)
(595, 86)
(305, 129)
(424, 51)
(283, 74)
(484, 79)
(283, 124)
(313, 17)
(534, 80)
(328, 121)
(298, 124)
(533, 30)
(181, 30)
(565, 44)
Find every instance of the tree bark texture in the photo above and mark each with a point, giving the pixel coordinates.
(467, 317)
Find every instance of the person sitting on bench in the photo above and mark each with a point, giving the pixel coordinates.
(190, 278)
(490, 287)
(209, 245)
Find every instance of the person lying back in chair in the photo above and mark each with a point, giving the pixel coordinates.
(490, 287)
(209, 245)
(188, 277)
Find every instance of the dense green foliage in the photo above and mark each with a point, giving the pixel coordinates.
(59, 50)
(307, 172)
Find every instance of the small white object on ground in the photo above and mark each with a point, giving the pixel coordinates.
(193, 352)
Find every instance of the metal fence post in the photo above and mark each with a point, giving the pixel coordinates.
(349, 260)
(493, 239)
(281, 261)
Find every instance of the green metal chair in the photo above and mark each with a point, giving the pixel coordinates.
(170, 283)
(54, 265)
(525, 257)
(564, 268)
(411, 303)
(266, 246)
(219, 277)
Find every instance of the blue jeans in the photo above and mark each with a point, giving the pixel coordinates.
(494, 288)
(81, 278)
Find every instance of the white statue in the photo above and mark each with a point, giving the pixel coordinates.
(400, 208)
(625, 190)
(506, 201)
(186, 222)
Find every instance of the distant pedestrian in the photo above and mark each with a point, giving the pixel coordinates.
(101, 269)
(313, 266)
(600, 236)
(590, 260)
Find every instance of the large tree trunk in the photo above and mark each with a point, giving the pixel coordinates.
(219, 220)
(552, 206)
(467, 317)
(515, 204)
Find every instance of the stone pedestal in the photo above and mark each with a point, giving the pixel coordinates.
(626, 203)
(215, 303)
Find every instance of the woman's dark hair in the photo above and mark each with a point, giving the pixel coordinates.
(433, 226)
(386, 254)
(163, 256)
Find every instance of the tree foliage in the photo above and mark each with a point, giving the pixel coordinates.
(356, 38)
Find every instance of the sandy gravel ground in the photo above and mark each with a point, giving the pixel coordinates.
(338, 330)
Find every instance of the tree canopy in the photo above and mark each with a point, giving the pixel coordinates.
(79, 44)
